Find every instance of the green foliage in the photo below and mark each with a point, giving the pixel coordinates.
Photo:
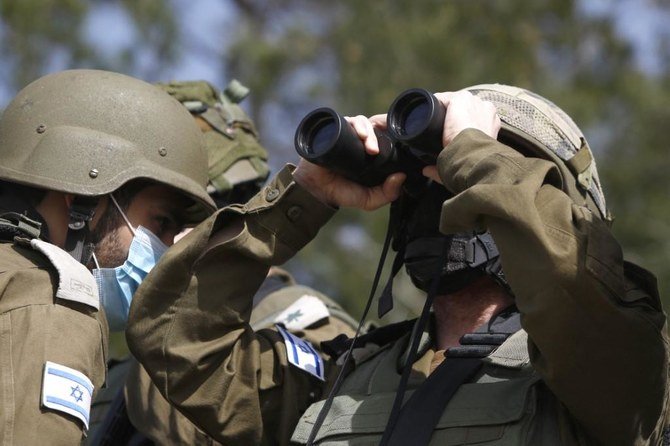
(41, 34)
(35, 29)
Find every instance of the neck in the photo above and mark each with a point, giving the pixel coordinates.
(465, 310)
(55, 211)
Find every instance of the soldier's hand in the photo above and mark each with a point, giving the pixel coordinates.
(335, 190)
(464, 111)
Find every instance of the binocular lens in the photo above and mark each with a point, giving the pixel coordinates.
(416, 119)
(416, 115)
(318, 133)
(322, 136)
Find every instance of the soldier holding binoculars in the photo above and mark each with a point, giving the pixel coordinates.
(540, 332)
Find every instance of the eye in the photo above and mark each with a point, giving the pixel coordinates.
(166, 223)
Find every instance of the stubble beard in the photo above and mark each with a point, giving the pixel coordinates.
(108, 248)
(109, 252)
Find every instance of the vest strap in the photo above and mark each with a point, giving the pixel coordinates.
(420, 414)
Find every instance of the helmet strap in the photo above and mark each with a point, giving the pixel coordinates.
(77, 240)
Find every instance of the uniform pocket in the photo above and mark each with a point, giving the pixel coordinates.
(497, 413)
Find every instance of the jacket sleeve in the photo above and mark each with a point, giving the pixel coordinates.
(597, 332)
(189, 321)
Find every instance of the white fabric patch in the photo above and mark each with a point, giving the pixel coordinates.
(75, 281)
(301, 354)
(67, 390)
(303, 313)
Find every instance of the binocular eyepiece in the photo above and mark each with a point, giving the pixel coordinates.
(413, 138)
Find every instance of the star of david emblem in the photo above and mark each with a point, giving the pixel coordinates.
(76, 393)
(294, 316)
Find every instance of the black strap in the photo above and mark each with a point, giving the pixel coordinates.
(420, 414)
(77, 245)
(407, 368)
(414, 346)
(345, 362)
(414, 422)
(386, 299)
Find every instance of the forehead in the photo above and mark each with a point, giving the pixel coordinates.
(160, 197)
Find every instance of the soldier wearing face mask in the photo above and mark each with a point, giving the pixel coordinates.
(131, 410)
(97, 169)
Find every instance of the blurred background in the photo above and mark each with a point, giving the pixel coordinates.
(606, 62)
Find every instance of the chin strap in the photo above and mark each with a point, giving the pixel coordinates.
(76, 242)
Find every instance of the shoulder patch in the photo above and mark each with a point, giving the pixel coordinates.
(302, 354)
(75, 281)
(303, 313)
(67, 390)
(513, 353)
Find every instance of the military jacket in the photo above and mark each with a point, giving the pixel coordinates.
(52, 345)
(597, 338)
(308, 313)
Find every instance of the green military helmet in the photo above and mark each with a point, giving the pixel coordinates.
(537, 127)
(88, 132)
(237, 161)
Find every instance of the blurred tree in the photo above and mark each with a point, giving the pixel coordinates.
(39, 36)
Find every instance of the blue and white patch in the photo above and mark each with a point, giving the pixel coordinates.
(303, 313)
(302, 354)
(67, 390)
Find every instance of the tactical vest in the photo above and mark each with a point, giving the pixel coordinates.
(505, 404)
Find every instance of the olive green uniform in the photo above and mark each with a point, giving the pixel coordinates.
(597, 337)
(152, 415)
(150, 412)
(36, 327)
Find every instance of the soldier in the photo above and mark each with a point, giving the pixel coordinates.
(130, 409)
(541, 333)
(95, 167)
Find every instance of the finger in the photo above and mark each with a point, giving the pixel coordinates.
(431, 172)
(445, 97)
(387, 192)
(359, 123)
(392, 186)
(378, 121)
(363, 128)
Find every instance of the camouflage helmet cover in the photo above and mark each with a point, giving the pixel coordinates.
(533, 124)
(237, 161)
(88, 132)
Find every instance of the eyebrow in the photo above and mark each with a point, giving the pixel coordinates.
(176, 211)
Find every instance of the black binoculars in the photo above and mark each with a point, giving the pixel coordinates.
(413, 139)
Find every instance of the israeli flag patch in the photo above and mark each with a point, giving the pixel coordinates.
(67, 390)
(302, 354)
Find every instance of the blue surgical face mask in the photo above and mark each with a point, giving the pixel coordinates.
(118, 285)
